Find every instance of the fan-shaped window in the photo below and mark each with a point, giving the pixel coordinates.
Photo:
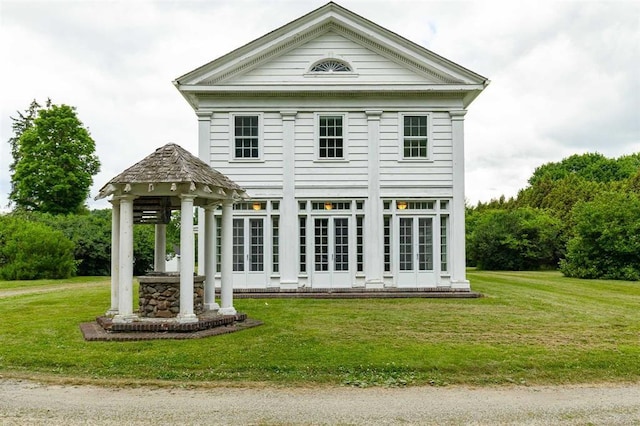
(331, 65)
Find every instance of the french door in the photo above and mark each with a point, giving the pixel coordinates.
(248, 252)
(331, 265)
(415, 252)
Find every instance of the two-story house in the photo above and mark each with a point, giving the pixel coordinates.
(349, 139)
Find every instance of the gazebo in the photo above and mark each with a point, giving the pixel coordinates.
(169, 179)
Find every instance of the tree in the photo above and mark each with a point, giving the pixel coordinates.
(19, 126)
(519, 239)
(54, 161)
(590, 166)
(607, 238)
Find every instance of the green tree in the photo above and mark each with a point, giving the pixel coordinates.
(519, 239)
(32, 250)
(54, 161)
(593, 167)
(607, 238)
(90, 234)
(560, 195)
(19, 126)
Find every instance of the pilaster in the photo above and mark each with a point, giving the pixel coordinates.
(204, 134)
(373, 222)
(289, 233)
(458, 255)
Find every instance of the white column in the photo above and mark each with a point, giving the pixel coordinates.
(115, 255)
(125, 258)
(160, 250)
(288, 208)
(373, 222)
(458, 259)
(210, 258)
(186, 314)
(226, 268)
(200, 232)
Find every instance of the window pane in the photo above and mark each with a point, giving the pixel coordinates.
(443, 244)
(425, 244)
(415, 136)
(246, 136)
(303, 243)
(360, 243)
(406, 244)
(256, 263)
(341, 229)
(238, 245)
(275, 232)
(330, 143)
(321, 243)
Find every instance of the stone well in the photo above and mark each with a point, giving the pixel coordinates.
(160, 295)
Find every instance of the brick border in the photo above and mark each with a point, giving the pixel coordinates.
(102, 329)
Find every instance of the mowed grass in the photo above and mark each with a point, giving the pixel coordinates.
(530, 328)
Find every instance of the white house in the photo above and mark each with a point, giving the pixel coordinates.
(349, 139)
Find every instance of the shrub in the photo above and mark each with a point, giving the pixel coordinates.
(518, 239)
(607, 238)
(31, 250)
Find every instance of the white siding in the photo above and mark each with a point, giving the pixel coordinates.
(291, 67)
(268, 171)
(436, 172)
(347, 173)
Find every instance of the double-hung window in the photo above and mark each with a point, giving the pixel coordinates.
(246, 139)
(415, 137)
(331, 138)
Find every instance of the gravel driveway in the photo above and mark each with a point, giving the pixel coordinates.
(24, 402)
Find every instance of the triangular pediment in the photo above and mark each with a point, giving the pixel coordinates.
(380, 62)
(352, 35)
(365, 63)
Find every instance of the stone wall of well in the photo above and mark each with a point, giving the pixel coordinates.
(159, 295)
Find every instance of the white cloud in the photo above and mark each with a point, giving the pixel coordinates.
(564, 74)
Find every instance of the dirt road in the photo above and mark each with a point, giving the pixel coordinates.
(24, 402)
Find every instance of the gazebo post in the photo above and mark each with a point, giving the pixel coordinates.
(210, 258)
(226, 272)
(160, 249)
(158, 183)
(115, 255)
(186, 314)
(125, 258)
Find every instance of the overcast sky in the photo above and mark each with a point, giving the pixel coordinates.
(565, 76)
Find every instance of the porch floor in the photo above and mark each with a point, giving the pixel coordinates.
(355, 293)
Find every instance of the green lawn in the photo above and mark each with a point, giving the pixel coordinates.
(530, 328)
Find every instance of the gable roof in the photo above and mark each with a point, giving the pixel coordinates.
(214, 77)
(170, 164)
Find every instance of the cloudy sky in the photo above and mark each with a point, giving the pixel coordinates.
(565, 75)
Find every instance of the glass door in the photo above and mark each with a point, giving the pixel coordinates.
(331, 252)
(248, 252)
(415, 252)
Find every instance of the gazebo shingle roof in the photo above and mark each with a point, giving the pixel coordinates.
(171, 164)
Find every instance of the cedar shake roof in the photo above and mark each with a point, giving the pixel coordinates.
(171, 164)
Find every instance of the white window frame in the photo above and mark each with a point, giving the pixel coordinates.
(401, 136)
(330, 56)
(232, 137)
(345, 137)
